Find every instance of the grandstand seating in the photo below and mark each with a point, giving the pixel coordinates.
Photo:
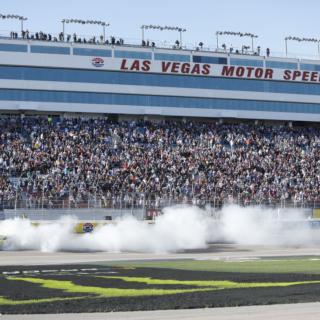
(50, 160)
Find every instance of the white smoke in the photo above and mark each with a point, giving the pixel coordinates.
(179, 228)
(256, 226)
(22, 234)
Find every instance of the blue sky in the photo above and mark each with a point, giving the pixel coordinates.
(272, 20)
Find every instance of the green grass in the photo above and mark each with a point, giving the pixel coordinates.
(105, 292)
(215, 284)
(251, 266)
(70, 287)
(91, 292)
(10, 302)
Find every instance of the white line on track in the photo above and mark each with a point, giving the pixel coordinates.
(69, 270)
(10, 272)
(84, 271)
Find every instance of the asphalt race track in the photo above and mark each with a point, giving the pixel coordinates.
(215, 252)
(301, 311)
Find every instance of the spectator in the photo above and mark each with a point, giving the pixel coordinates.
(76, 160)
(268, 52)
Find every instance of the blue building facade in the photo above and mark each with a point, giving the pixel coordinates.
(66, 77)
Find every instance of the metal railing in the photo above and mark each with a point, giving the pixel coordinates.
(141, 201)
(160, 44)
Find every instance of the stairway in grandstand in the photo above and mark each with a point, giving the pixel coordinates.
(14, 181)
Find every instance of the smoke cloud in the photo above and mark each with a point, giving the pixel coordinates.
(256, 226)
(179, 228)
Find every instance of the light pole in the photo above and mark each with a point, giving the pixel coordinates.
(290, 38)
(239, 34)
(161, 28)
(79, 21)
(14, 16)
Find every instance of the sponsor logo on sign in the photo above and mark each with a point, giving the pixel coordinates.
(97, 62)
(87, 227)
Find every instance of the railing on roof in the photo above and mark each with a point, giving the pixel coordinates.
(137, 43)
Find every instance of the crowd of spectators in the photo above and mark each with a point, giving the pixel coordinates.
(43, 36)
(53, 159)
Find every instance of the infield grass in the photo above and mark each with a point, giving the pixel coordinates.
(68, 286)
(11, 302)
(216, 284)
(294, 265)
(107, 292)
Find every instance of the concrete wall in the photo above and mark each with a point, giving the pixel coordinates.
(81, 214)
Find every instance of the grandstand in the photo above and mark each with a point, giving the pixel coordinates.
(121, 126)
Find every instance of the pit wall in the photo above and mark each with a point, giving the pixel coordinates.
(80, 214)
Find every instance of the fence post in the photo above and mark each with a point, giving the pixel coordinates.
(132, 206)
